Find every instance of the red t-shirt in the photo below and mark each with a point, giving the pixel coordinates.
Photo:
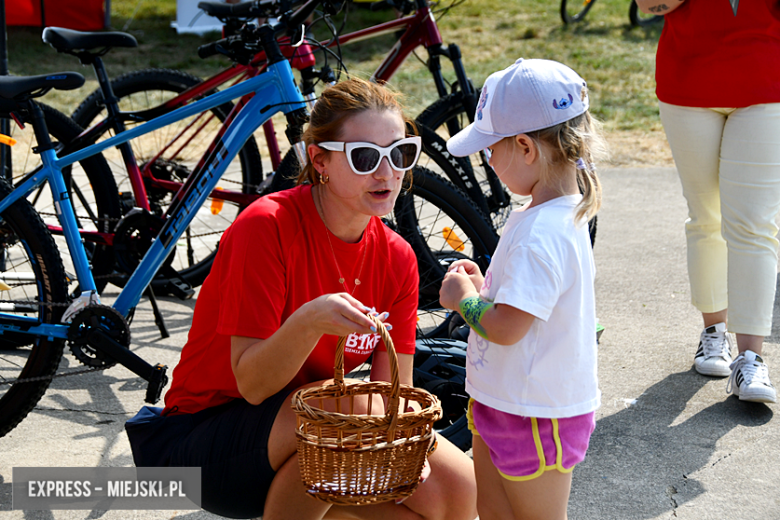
(274, 258)
(707, 57)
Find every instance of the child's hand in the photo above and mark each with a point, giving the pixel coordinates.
(471, 269)
(456, 286)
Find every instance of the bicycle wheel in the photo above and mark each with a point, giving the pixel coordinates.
(447, 116)
(442, 225)
(640, 19)
(91, 187)
(175, 151)
(573, 11)
(31, 271)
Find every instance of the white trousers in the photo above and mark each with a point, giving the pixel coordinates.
(729, 164)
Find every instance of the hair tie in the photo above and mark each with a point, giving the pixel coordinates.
(580, 164)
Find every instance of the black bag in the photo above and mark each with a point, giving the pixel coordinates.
(153, 436)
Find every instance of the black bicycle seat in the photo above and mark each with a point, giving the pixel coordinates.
(252, 9)
(21, 87)
(68, 40)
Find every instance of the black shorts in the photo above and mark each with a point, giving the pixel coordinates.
(228, 442)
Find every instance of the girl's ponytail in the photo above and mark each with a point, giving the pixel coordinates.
(577, 142)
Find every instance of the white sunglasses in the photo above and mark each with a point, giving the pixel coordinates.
(365, 158)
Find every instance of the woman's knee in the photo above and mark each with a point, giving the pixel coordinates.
(451, 487)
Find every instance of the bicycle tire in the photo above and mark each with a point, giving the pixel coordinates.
(442, 225)
(91, 188)
(640, 19)
(198, 245)
(572, 11)
(446, 116)
(31, 267)
(458, 170)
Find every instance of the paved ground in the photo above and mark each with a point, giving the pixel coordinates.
(669, 443)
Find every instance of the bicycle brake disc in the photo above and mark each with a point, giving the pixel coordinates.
(88, 319)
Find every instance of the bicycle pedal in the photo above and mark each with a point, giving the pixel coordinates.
(157, 382)
(180, 289)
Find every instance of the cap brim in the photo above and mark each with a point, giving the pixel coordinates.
(470, 140)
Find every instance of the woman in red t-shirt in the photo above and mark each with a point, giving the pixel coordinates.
(718, 84)
(295, 271)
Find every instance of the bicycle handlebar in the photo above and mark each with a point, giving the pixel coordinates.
(231, 46)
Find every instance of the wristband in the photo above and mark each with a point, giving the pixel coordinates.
(473, 309)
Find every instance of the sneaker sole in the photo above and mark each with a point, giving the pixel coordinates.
(712, 371)
(758, 397)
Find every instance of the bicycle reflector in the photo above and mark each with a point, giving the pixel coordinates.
(452, 239)
(216, 204)
(4, 139)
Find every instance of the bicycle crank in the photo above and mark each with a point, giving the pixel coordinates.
(100, 337)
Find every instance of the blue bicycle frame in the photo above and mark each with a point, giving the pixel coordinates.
(274, 91)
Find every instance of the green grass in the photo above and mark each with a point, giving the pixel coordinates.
(616, 60)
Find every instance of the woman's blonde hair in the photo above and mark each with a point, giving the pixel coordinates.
(336, 105)
(579, 142)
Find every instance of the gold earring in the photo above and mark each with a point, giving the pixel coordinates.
(324, 178)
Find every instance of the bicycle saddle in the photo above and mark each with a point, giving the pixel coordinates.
(68, 40)
(250, 9)
(19, 87)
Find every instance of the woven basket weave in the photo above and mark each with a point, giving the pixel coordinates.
(351, 459)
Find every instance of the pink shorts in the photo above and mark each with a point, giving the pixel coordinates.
(523, 448)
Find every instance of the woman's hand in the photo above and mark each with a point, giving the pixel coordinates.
(340, 314)
(472, 270)
(287, 349)
(457, 285)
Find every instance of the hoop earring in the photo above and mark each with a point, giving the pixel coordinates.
(323, 178)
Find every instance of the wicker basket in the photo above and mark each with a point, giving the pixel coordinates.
(351, 459)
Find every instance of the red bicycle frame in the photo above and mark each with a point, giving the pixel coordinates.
(421, 30)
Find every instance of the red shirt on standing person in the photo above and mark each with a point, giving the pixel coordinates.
(269, 264)
(707, 57)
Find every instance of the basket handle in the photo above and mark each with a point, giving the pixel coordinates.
(395, 381)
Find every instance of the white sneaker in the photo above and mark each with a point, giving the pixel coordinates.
(714, 354)
(750, 379)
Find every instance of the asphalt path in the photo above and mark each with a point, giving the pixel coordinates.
(669, 443)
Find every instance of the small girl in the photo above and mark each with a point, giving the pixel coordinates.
(531, 369)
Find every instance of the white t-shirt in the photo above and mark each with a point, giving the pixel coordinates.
(544, 266)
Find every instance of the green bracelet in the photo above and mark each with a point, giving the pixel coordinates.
(473, 309)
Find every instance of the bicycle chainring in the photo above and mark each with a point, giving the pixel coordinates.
(88, 319)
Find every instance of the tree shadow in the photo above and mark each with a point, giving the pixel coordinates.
(643, 453)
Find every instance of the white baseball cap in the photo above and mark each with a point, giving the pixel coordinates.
(528, 95)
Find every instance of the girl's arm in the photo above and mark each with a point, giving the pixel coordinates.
(659, 7)
(500, 323)
(263, 367)
(505, 325)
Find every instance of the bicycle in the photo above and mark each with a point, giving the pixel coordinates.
(98, 334)
(573, 11)
(154, 88)
(37, 317)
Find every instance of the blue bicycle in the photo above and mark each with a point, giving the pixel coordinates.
(37, 314)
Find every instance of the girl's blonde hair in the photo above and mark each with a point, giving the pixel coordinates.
(579, 142)
(336, 105)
